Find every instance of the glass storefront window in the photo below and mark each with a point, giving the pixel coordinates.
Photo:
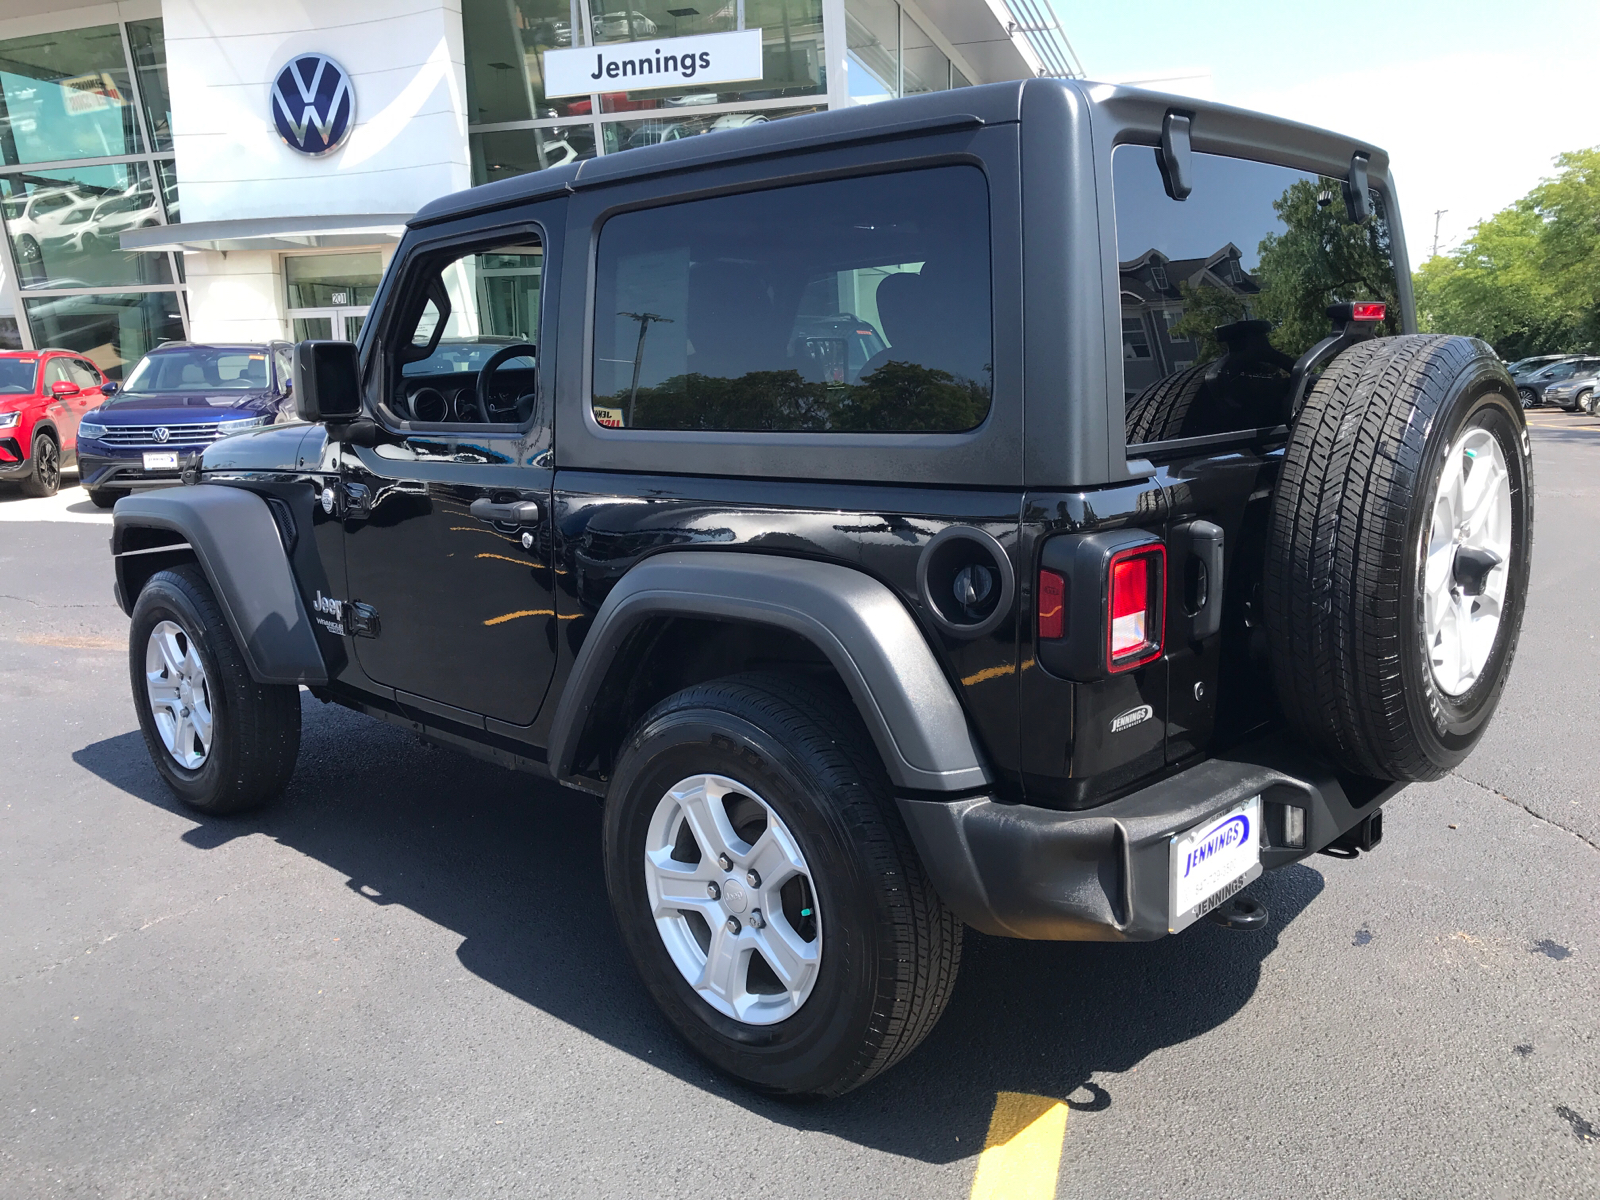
(66, 95)
(111, 330)
(505, 43)
(517, 151)
(926, 67)
(65, 226)
(167, 174)
(872, 37)
(150, 60)
(332, 280)
(672, 125)
(791, 47)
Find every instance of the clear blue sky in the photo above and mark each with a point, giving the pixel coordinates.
(1471, 99)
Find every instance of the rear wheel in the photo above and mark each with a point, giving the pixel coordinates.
(45, 478)
(1398, 555)
(767, 890)
(221, 741)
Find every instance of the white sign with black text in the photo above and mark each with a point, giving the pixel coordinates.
(697, 59)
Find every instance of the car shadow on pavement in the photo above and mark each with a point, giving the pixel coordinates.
(513, 865)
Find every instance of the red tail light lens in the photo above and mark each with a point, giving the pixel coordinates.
(1138, 580)
(1368, 310)
(1052, 605)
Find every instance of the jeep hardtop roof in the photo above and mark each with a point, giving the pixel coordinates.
(1277, 140)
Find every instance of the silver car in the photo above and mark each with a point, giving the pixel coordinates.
(1576, 393)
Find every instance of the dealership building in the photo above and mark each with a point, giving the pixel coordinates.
(219, 171)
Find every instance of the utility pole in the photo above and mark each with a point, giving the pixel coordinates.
(644, 320)
(1437, 213)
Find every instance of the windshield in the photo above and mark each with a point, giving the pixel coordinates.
(450, 357)
(200, 369)
(16, 376)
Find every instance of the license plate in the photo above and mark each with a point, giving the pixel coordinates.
(164, 461)
(1212, 861)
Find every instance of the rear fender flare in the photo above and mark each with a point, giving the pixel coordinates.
(909, 707)
(235, 539)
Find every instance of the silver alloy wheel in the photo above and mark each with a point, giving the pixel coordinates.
(747, 936)
(180, 695)
(1466, 559)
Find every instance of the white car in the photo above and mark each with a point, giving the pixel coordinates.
(51, 217)
(621, 26)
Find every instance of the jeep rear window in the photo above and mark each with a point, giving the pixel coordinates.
(1221, 292)
(856, 305)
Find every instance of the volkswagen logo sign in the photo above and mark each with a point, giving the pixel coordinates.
(313, 104)
(162, 433)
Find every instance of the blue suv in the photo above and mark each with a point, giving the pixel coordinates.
(179, 399)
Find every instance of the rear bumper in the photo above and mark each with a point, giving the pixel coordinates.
(1102, 874)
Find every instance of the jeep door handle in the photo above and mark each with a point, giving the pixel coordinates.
(1202, 576)
(517, 512)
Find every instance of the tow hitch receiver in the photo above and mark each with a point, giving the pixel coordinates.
(1240, 912)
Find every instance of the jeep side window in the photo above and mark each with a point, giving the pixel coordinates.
(1223, 291)
(857, 304)
(487, 300)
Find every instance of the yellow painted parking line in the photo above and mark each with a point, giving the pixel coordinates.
(1021, 1157)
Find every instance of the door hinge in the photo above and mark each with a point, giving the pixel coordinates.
(364, 620)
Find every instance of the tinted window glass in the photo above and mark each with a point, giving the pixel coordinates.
(1223, 291)
(83, 374)
(858, 304)
(55, 371)
(16, 376)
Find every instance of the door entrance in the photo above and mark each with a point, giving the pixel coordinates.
(328, 294)
(339, 324)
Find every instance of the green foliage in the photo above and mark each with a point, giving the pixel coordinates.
(1205, 308)
(1526, 280)
(897, 396)
(1321, 257)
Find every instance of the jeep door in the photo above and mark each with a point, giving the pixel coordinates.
(447, 514)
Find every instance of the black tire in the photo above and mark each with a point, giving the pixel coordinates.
(257, 726)
(105, 497)
(1343, 587)
(1582, 401)
(44, 479)
(1160, 410)
(890, 949)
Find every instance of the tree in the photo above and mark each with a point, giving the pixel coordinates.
(1527, 279)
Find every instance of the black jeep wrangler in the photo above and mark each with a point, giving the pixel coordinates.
(1026, 506)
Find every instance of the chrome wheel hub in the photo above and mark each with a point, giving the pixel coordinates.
(180, 695)
(732, 899)
(1466, 553)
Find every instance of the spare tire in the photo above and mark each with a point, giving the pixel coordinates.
(1397, 555)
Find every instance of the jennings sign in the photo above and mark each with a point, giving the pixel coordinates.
(699, 59)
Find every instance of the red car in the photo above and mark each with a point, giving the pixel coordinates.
(43, 393)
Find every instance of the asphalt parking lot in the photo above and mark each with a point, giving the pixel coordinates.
(403, 981)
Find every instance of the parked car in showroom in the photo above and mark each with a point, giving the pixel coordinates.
(43, 395)
(179, 399)
(1534, 389)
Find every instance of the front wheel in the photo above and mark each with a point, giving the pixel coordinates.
(1584, 403)
(45, 478)
(221, 741)
(105, 497)
(1528, 397)
(767, 891)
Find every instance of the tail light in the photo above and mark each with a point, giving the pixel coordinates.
(1052, 605)
(1135, 593)
(1368, 310)
(1101, 603)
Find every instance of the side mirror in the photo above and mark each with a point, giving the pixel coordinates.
(64, 388)
(327, 381)
(110, 387)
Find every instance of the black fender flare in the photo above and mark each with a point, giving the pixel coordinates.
(863, 629)
(233, 535)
